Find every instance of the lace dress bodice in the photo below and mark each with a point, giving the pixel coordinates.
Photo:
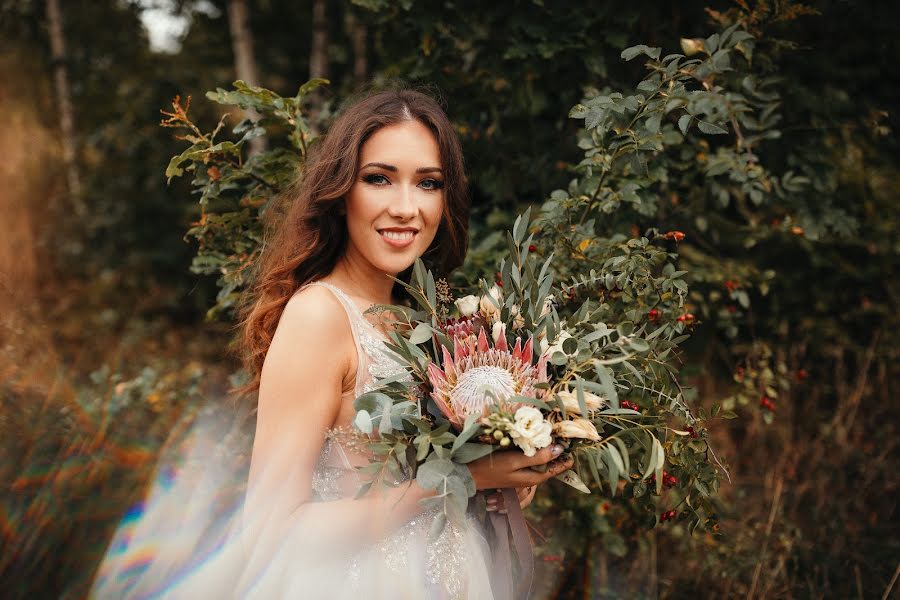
(444, 559)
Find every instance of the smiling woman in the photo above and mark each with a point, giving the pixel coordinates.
(385, 188)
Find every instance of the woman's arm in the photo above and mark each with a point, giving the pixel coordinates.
(310, 362)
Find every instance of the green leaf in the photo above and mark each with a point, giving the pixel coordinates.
(684, 122)
(710, 128)
(571, 478)
(432, 473)
(363, 421)
(471, 451)
(470, 428)
(422, 333)
(634, 51)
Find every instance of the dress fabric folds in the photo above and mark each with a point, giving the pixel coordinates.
(190, 539)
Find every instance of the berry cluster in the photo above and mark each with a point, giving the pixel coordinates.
(667, 515)
(627, 404)
(668, 479)
(693, 432)
(686, 318)
(767, 403)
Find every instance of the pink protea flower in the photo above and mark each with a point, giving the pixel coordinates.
(477, 375)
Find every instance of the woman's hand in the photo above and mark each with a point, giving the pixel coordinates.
(511, 468)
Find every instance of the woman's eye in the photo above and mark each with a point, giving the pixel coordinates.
(431, 184)
(375, 179)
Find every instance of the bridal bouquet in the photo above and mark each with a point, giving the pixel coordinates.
(501, 369)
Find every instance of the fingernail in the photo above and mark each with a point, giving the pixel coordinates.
(556, 450)
(492, 508)
(502, 511)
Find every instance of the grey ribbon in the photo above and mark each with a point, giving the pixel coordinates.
(505, 527)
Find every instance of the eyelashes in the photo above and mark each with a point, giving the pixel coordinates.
(429, 184)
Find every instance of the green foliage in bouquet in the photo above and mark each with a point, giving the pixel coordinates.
(430, 423)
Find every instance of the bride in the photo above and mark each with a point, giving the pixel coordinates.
(385, 187)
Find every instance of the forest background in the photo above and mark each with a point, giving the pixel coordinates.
(786, 224)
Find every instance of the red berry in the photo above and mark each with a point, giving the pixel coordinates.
(732, 285)
(801, 374)
(532, 248)
(674, 235)
(692, 431)
(653, 315)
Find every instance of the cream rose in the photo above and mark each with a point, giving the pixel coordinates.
(467, 305)
(570, 401)
(530, 431)
(577, 428)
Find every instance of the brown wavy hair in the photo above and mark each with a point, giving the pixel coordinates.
(307, 231)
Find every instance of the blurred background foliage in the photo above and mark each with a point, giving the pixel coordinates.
(788, 228)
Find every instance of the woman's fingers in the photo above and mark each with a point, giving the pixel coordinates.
(542, 456)
(554, 468)
(526, 495)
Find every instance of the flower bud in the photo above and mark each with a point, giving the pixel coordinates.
(467, 305)
(570, 401)
(488, 308)
(577, 428)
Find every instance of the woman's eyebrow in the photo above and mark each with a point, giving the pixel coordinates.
(394, 169)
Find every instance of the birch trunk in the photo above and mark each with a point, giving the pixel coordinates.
(244, 58)
(318, 56)
(64, 104)
(358, 33)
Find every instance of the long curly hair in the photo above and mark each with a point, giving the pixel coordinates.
(307, 232)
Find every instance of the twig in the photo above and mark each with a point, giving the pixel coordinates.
(774, 510)
(887, 590)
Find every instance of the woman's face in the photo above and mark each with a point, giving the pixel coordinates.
(395, 205)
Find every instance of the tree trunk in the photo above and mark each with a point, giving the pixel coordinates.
(244, 59)
(318, 57)
(357, 32)
(64, 102)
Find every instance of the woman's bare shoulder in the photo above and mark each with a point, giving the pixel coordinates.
(317, 308)
(312, 334)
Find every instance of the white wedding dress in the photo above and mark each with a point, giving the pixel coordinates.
(190, 540)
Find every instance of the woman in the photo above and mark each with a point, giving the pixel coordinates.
(385, 187)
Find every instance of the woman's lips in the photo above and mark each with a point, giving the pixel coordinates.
(398, 238)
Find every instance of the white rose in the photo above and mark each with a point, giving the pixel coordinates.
(497, 330)
(467, 305)
(530, 431)
(577, 428)
(488, 308)
(570, 401)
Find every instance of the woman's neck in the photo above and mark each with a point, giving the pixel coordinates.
(362, 281)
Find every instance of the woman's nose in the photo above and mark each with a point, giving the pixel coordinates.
(403, 204)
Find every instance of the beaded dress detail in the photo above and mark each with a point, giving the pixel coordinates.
(452, 566)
